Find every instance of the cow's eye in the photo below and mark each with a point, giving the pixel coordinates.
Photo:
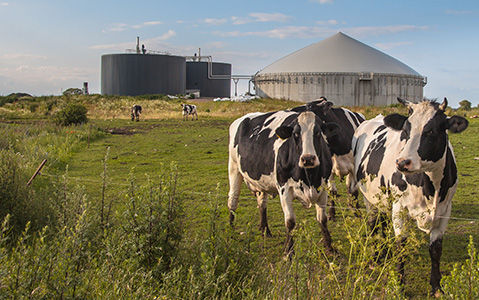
(429, 132)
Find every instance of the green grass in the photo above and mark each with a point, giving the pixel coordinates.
(200, 151)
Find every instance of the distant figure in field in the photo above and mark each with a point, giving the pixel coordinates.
(135, 112)
(189, 109)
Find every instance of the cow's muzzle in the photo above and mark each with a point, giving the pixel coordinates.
(309, 161)
(403, 164)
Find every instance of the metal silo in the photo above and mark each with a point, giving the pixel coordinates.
(141, 74)
(212, 79)
(342, 69)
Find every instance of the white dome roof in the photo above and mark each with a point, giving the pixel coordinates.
(338, 54)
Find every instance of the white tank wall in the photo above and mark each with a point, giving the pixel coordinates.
(346, 89)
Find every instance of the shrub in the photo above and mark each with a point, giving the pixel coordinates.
(462, 282)
(71, 114)
(465, 104)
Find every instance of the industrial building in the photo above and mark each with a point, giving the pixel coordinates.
(150, 72)
(132, 74)
(343, 70)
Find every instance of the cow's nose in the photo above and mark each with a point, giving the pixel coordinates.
(308, 160)
(403, 164)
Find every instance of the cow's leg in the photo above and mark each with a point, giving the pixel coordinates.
(286, 199)
(196, 114)
(323, 221)
(353, 191)
(435, 251)
(235, 179)
(262, 199)
(334, 192)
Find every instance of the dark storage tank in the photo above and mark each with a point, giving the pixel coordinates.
(142, 74)
(212, 79)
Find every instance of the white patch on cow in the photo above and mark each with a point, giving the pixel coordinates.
(423, 113)
(352, 118)
(307, 123)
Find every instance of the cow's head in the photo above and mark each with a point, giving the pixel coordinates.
(424, 134)
(306, 134)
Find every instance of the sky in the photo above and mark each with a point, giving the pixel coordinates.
(47, 46)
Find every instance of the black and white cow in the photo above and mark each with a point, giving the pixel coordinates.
(410, 160)
(135, 112)
(339, 144)
(282, 153)
(189, 109)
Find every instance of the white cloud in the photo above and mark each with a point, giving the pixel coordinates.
(118, 27)
(261, 17)
(389, 46)
(305, 32)
(151, 23)
(128, 45)
(3, 3)
(21, 56)
(322, 1)
(328, 22)
(213, 21)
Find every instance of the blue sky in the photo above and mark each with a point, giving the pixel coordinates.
(49, 46)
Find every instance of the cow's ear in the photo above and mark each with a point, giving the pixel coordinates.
(325, 106)
(457, 124)
(284, 132)
(330, 129)
(395, 121)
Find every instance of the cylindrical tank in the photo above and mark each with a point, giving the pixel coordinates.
(142, 74)
(212, 79)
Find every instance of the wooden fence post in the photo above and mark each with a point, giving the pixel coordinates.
(37, 171)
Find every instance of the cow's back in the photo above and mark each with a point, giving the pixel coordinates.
(253, 146)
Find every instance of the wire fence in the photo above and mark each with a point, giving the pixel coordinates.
(250, 197)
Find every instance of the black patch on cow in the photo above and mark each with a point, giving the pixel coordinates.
(256, 147)
(382, 181)
(269, 122)
(340, 143)
(433, 138)
(397, 180)
(379, 129)
(375, 152)
(422, 180)
(288, 157)
(450, 175)
(406, 132)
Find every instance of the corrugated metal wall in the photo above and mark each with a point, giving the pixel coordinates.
(141, 74)
(347, 89)
(197, 79)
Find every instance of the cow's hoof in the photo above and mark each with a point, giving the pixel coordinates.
(436, 292)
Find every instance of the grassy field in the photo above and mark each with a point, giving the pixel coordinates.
(105, 165)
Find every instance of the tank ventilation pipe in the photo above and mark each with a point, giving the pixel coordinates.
(138, 45)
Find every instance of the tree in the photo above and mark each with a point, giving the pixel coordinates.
(465, 104)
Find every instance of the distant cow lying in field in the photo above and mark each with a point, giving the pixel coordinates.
(189, 109)
(135, 112)
(411, 159)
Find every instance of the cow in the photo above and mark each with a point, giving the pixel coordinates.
(135, 112)
(410, 159)
(339, 144)
(189, 109)
(282, 153)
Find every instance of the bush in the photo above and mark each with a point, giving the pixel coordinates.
(71, 114)
(465, 104)
(462, 282)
